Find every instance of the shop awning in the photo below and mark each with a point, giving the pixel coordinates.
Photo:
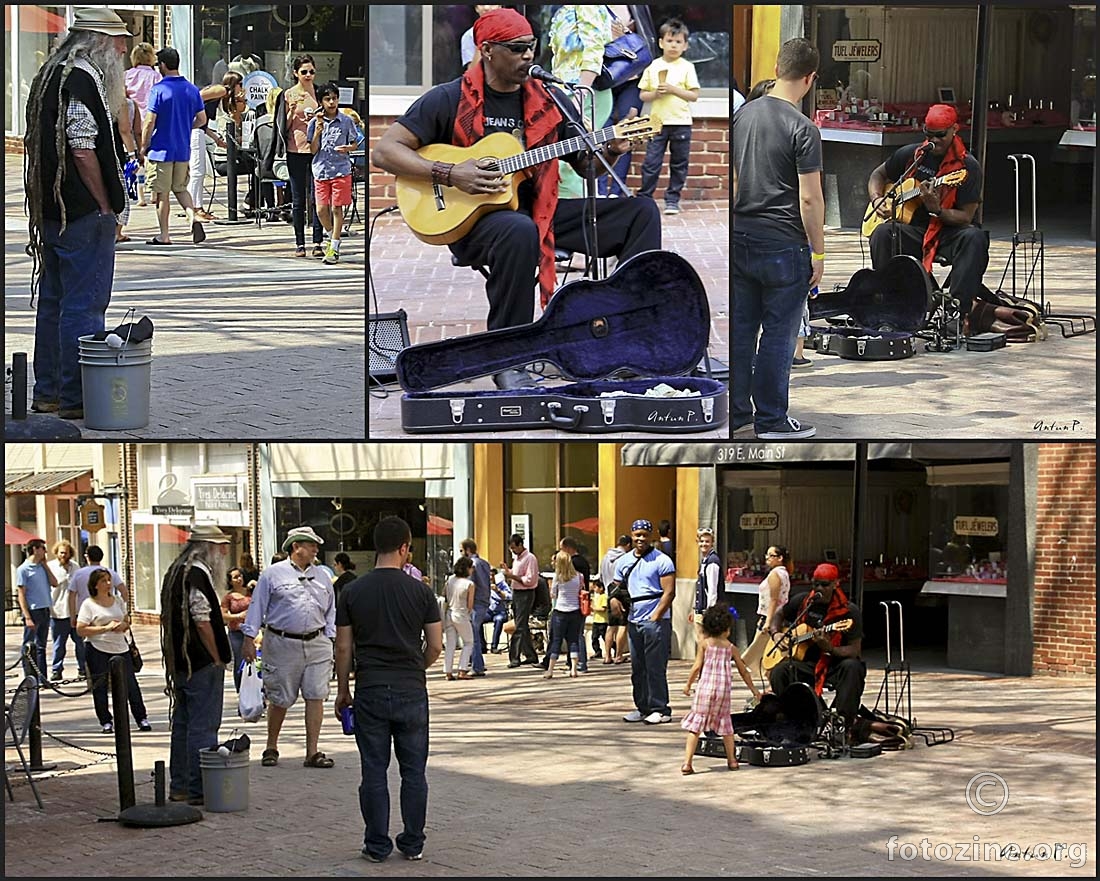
(439, 525)
(46, 482)
(588, 524)
(13, 535)
(759, 453)
(36, 20)
(167, 533)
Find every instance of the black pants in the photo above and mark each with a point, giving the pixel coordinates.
(846, 675)
(966, 248)
(97, 671)
(507, 242)
(678, 140)
(300, 168)
(520, 643)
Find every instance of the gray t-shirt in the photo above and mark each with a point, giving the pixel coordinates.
(327, 163)
(773, 143)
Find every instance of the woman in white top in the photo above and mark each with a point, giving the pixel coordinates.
(457, 624)
(775, 590)
(103, 623)
(566, 623)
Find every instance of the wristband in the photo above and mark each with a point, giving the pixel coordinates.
(817, 257)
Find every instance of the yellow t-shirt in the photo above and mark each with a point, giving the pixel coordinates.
(672, 109)
(599, 608)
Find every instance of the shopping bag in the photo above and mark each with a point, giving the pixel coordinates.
(250, 702)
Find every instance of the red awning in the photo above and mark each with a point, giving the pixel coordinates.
(13, 535)
(439, 525)
(588, 524)
(167, 533)
(36, 20)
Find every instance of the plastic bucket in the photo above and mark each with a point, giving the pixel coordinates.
(224, 781)
(116, 384)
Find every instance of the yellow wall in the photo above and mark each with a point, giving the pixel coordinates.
(765, 42)
(489, 502)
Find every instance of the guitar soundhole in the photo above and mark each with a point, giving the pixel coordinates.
(599, 328)
(489, 163)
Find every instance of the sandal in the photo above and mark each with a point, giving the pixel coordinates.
(270, 758)
(318, 760)
(732, 766)
(686, 769)
(464, 674)
(450, 677)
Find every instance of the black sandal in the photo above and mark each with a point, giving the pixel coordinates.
(270, 757)
(318, 760)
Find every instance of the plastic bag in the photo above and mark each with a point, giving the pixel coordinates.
(250, 701)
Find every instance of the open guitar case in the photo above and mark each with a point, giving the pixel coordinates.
(777, 732)
(647, 323)
(883, 310)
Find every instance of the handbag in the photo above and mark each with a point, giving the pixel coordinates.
(135, 655)
(624, 58)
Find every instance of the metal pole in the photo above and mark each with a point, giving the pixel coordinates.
(19, 385)
(34, 736)
(859, 511)
(231, 166)
(980, 103)
(117, 678)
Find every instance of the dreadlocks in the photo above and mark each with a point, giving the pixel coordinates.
(174, 591)
(84, 49)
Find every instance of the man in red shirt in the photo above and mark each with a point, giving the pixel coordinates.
(523, 577)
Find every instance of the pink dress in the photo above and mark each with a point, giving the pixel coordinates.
(710, 708)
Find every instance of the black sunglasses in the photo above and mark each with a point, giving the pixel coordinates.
(305, 72)
(822, 583)
(940, 134)
(518, 48)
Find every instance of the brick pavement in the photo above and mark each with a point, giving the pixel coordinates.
(247, 337)
(446, 301)
(536, 778)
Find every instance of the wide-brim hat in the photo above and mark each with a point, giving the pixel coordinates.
(209, 532)
(302, 533)
(102, 21)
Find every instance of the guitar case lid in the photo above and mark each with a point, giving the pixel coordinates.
(650, 317)
(792, 718)
(897, 297)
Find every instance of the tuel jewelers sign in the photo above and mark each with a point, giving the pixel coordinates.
(857, 50)
(760, 521)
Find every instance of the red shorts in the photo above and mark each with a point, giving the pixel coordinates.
(336, 191)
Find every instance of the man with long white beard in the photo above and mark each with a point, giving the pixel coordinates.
(75, 191)
(196, 651)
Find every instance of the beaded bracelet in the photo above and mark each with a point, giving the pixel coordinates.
(441, 173)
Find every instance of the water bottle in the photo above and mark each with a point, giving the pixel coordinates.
(347, 720)
(141, 175)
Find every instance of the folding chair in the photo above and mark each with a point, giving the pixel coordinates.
(17, 717)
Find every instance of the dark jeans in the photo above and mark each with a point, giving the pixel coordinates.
(63, 631)
(966, 248)
(384, 714)
(626, 98)
(846, 676)
(477, 657)
(38, 639)
(236, 643)
(599, 633)
(520, 643)
(196, 718)
(300, 168)
(78, 269)
(97, 674)
(507, 243)
(770, 286)
(566, 627)
(677, 138)
(650, 646)
(499, 617)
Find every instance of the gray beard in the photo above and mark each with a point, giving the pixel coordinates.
(210, 556)
(114, 81)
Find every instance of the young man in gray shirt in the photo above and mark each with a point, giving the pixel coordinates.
(778, 241)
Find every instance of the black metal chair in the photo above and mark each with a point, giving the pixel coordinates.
(17, 718)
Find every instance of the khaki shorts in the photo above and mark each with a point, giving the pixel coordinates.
(293, 666)
(167, 177)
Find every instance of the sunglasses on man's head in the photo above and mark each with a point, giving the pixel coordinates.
(518, 48)
(939, 134)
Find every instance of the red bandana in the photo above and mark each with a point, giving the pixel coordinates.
(838, 608)
(939, 117)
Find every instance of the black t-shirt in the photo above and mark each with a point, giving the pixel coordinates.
(387, 611)
(814, 616)
(583, 570)
(969, 191)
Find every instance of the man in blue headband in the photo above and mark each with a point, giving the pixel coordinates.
(650, 578)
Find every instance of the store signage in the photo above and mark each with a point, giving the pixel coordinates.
(173, 510)
(256, 86)
(760, 520)
(520, 524)
(976, 525)
(750, 452)
(857, 50)
(91, 517)
(216, 496)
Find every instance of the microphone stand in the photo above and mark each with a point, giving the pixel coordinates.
(894, 195)
(784, 639)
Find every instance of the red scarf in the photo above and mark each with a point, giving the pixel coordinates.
(952, 161)
(540, 123)
(838, 608)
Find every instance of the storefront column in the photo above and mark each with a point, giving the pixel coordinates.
(268, 536)
(1023, 486)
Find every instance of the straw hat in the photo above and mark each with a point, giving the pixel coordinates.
(103, 21)
(208, 532)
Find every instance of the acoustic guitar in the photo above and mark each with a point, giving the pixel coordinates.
(907, 205)
(443, 215)
(796, 644)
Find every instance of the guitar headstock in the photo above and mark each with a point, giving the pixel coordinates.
(954, 179)
(846, 624)
(640, 128)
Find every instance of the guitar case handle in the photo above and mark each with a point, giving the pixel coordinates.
(569, 423)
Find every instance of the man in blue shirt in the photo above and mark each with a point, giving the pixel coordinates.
(175, 108)
(33, 581)
(650, 577)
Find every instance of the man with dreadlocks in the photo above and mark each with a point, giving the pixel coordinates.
(74, 192)
(497, 94)
(196, 650)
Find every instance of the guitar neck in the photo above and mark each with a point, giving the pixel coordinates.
(553, 151)
(808, 636)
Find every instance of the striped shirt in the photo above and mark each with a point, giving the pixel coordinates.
(566, 595)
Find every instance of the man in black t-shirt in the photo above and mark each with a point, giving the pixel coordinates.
(385, 617)
(943, 224)
(514, 245)
(832, 658)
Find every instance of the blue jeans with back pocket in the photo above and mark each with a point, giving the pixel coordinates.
(770, 285)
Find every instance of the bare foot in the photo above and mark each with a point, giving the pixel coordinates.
(686, 769)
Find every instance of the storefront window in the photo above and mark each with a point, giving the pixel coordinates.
(155, 546)
(395, 45)
(1083, 95)
(39, 30)
(967, 539)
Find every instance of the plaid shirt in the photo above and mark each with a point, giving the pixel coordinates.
(80, 126)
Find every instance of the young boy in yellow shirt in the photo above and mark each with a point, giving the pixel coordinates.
(599, 617)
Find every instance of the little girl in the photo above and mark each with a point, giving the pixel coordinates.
(710, 711)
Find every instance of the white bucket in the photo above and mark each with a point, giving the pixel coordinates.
(116, 384)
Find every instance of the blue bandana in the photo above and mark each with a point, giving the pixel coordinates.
(641, 524)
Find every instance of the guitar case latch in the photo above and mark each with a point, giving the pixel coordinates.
(607, 405)
(458, 405)
(708, 409)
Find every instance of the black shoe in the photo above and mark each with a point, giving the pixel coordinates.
(513, 664)
(792, 430)
(71, 412)
(514, 378)
(55, 676)
(44, 406)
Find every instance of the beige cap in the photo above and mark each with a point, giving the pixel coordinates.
(103, 21)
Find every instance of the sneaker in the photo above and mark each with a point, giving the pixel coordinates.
(108, 728)
(656, 718)
(55, 676)
(369, 856)
(672, 209)
(802, 362)
(633, 716)
(144, 725)
(791, 431)
(331, 256)
(414, 856)
(318, 251)
(744, 426)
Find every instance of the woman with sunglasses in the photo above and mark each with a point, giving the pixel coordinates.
(775, 590)
(300, 103)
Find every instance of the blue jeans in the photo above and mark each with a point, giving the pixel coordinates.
(678, 140)
(98, 677)
(196, 718)
(63, 631)
(236, 643)
(384, 714)
(499, 617)
(78, 269)
(626, 97)
(770, 284)
(566, 627)
(650, 646)
(477, 658)
(37, 638)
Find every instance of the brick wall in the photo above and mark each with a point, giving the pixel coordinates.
(1065, 561)
(708, 169)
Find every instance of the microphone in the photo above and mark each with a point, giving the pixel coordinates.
(924, 148)
(544, 75)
